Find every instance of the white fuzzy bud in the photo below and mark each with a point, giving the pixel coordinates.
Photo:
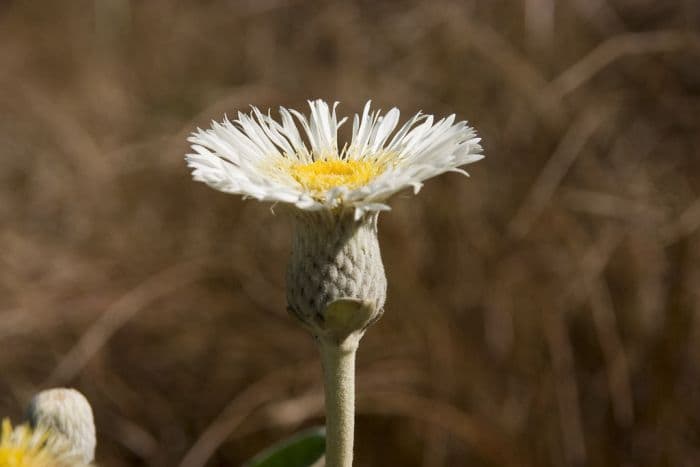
(66, 413)
(335, 279)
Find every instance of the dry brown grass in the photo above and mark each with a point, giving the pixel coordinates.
(544, 312)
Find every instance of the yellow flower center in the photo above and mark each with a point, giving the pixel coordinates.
(21, 448)
(319, 176)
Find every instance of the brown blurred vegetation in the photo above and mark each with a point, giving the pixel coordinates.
(544, 312)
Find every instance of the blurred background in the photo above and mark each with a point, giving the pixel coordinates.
(545, 312)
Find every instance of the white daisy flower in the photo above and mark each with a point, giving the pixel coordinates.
(23, 446)
(336, 283)
(298, 160)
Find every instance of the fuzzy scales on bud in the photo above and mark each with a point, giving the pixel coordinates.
(335, 279)
(67, 414)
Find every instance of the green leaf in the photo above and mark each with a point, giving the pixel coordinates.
(301, 450)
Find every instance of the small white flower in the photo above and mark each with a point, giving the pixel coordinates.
(23, 446)
(259, 157)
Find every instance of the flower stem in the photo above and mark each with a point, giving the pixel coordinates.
(339, 376)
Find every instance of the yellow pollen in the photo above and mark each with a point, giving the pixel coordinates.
(22, 448)
(320, 176)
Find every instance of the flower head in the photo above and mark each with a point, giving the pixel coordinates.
(24, 447)
(257, 156)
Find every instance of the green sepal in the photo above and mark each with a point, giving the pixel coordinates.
(346, 316)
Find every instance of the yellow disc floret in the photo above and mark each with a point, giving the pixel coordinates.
(20, 447)
(24, 447)
(323, 175)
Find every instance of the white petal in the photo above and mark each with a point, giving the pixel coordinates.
(251, 155)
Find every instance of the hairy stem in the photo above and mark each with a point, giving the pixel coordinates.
(339, 377)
